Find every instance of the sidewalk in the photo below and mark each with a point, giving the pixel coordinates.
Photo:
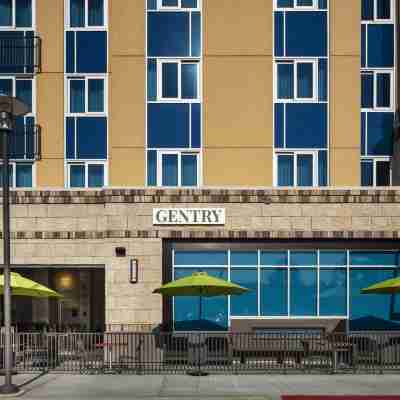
(238, 387)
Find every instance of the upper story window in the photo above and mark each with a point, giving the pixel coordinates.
(86, 95)
(16, 14)
(22, 88)
(377, 10)
(297, 80)
(87, 14)
(173, 4)
(376, 171)
(377, 90)
(298, 4)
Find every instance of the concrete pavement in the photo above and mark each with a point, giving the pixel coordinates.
(213, 387)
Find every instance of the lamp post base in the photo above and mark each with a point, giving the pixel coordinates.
(9, 389)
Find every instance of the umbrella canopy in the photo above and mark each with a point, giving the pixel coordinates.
(200, 284)
(21, 286)
(390, 286)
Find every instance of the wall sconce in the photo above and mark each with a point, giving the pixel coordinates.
(134, 270)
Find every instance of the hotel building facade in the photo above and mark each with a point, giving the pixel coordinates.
(255, 140)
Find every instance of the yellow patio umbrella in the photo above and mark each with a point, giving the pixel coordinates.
(390, 286)
(21, 286)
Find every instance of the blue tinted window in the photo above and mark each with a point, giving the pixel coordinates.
(285, 81)
(170, 3)
(323, 4)
(196, 125)
(189, 81)
(23, 13)
(5, 12)
(152, 168)
(333, 292)
(363, 46)
(305, 258)
(24, 91)
(285, 3)
(323, 79)
(247, 303)
(6, 86)
(383, 173)
(77, 176)
(168, 34)
(273, 288)
(95, 175)
(306, 34)
(201, 258)
(23, 175)
(196, 34)
(77, 13)
(10, 175)
(170, 80)
(383, 89)
(305, 3)
(279, 125)
(367, 10)
(303, 292)
(244, 258)
(189, 170)
(168, 125)
(322, 168)
(306, 126)
(96, 95)
(70, 50)
(373, 258)
(189, 3)
(285, 170)
(274, 258)
(279, 34)
(367, 173)
(96, 13)
(70, 137)
(363, 132)
(92, 138)
(333, 258)
(305, 170)
(91, 52)
(380, 133)
(383, 9)
(367, 90)
(152, 80)
(380, 45)
(305, 82)
(151, 4)
(77, 96)
(170, 170)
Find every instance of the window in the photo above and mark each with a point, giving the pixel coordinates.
(22, 88)
(16, 14)
(87, 13)
(173, 4)
(20, 175)
(178, 80)
(377, 10)
(376, 171)
(86, 95)
(297, 80)
(296, 169)
(377, 90)
(297, 4)
(86, 175)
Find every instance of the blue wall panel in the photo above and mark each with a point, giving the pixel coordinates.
(92, 138)
(196, 34)
(91, 52)
(70, 137)
(381, 45)
(380, 133)
(279, 123)
(196, 125)
(279, 34)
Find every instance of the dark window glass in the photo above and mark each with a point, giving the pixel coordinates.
(23, 175)
(196, 125)
(279, 45)
(23, 13)
(92, 138)
(24, 91)
(273, 288)
(70, 56)
(189, 3)
(95, 175)
(285, 80)
(380, 133)
(333, 292)
(96, 95)
(5, 12)
(367, 10)
(170, 3)
(323, 79)
(383, 9)
(322, 4)
(77, 95)
(333, 258)
(305, 80)
(383, 173)
(305, 170)
(322, 168)
(196, 34)
(363, 133)
(363, 45)
(245, 304)
(170, 170)
(279, 125)
(95, 12)
(381, 45)
(383, 90)
(285, 170)
(189, 170)
(244, 258)
(152, 80)
(10, 175)
(77, 176)
(92, 52)
(367, 90)
(305, 3)
(303, 292)
(285, 3)
(201, 258)
(70, 137)
(77, 13)
(170, 80)
(189, 81)
(303, 258)
(152, 4)
(367, 173)
(6, 87)
(152, 168)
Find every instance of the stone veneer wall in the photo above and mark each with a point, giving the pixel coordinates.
(84, 227)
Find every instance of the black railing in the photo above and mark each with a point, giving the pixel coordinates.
(20, 54)
(198, 353)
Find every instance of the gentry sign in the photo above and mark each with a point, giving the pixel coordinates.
(188, 216)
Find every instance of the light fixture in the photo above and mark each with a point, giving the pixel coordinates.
(134, 270)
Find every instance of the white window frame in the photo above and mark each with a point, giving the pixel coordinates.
(86, 164)
(13, 164)
(86, 25)
(86, 78)
(160, 63)
(295, 154)
(161, 7)
(296, 6)
(296, 98)
(375, 73)
(179, 154)
(375, 160)
(14, 21)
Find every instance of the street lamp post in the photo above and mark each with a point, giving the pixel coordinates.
(10, 107)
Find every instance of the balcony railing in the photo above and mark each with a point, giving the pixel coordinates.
(20, 54)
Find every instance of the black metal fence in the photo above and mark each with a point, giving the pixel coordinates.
(198, 353)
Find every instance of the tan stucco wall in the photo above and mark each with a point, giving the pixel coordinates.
(345, 93)
(127, 167)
